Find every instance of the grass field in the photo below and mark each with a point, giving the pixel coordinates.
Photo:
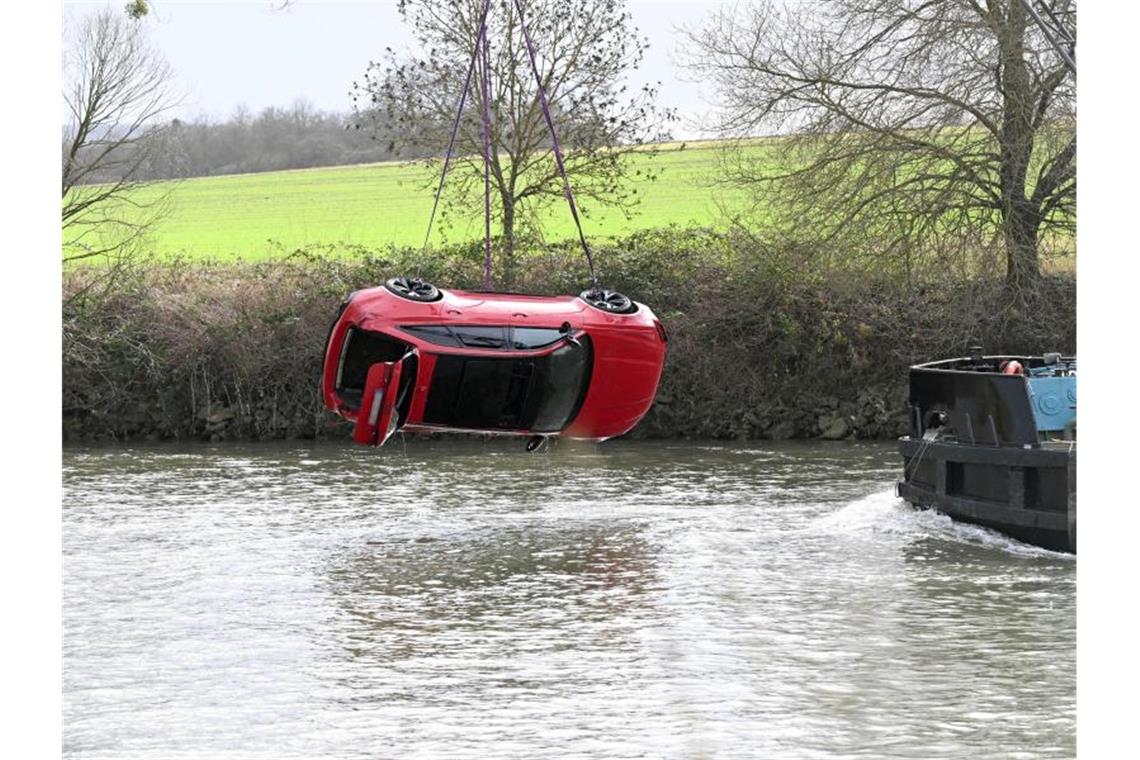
(257, 216)
(377, 204)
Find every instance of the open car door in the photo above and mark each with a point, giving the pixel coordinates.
(377, 418)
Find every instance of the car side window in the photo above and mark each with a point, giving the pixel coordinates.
(482, 336)
(438, 334)
(478, 336)
(524, 338)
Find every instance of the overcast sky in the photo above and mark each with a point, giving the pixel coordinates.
(231, 52)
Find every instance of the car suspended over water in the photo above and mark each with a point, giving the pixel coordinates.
(410, 356)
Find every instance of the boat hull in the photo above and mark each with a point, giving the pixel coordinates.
(1026, 493)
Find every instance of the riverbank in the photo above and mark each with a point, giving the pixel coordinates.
(176, 350)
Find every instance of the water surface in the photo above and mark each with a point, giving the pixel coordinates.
(626, 600)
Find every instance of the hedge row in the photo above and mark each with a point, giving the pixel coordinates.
(220, 351)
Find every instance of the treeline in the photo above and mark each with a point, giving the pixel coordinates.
(298, 137)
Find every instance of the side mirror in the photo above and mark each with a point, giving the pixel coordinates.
(568, 335)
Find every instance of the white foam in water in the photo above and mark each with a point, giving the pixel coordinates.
(880, 518)
(884, 513)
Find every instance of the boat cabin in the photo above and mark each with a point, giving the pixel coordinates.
(996, 400)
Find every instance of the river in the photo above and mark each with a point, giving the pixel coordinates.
(443, 599)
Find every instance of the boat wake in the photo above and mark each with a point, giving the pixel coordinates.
(883, 514)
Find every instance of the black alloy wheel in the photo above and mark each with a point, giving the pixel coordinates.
(609, 301)
(413, 289)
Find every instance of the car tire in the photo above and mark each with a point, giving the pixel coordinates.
(609, 301)
(413, 289)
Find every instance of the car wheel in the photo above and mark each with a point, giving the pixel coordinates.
(609, 301)
(413, 289)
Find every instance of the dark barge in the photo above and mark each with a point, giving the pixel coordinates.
(993, 442)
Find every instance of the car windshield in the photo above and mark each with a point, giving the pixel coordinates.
(541, 394)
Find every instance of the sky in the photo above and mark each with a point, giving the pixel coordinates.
(251, 52)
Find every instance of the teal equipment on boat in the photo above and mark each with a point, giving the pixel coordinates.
(1053, 396)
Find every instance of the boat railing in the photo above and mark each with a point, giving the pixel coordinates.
(967, 401)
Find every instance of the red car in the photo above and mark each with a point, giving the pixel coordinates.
(409, 356)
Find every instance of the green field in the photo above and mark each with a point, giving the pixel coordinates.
(377, 204)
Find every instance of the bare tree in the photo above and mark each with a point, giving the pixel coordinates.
(911, 122)
(585, 48)
(117, 89)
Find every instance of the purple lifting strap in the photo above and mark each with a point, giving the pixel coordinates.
(458, 114)
(486, 164)
(557, 148)
(481, 49)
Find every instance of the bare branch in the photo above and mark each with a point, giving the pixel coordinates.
(117, 95)
(917, 118)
